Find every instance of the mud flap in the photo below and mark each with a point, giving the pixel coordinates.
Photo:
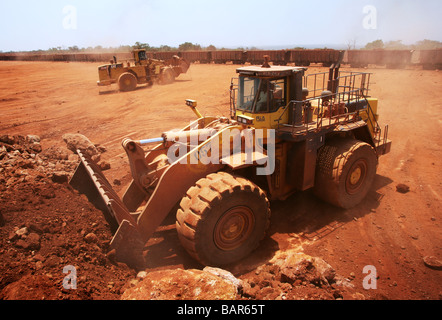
(127, 243)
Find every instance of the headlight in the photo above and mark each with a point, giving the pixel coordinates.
(191, 103)
(245, 120)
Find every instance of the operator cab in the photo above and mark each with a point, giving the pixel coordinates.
(139, 56)
(263, 93)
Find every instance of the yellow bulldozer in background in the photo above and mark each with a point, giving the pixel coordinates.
(287, 132)
(142, 70)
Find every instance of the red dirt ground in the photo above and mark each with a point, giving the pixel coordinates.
(389, 230)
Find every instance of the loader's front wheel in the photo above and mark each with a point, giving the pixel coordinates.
(167, 76)
(127, 82)
(345, 172)
(222, 219)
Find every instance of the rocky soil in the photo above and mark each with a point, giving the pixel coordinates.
(46, 226)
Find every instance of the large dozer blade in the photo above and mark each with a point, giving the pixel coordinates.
(127, 243)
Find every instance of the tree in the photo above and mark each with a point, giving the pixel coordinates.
(427, 45)
(74, 49)
(351, 44)
(139, 45)
(186, 46)
(165, 48)
(377, 44)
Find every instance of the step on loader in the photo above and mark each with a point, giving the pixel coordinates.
(287, 132)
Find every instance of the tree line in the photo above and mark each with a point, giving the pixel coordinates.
(189, 46)
(398, 45)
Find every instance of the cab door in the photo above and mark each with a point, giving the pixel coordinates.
(278, 112)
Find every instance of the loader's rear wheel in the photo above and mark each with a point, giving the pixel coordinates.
(127, 82)
(167, 76)
(345, 172)
(222, 219)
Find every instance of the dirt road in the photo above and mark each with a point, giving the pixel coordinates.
(389, 230)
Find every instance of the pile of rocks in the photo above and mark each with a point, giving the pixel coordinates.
(22, 159)
(46, 225)
(295, 275)
(290, 275)
(76, 141)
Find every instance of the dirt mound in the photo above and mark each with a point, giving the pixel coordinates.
(46, 226)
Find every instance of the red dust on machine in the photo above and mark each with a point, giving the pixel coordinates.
(142, 70)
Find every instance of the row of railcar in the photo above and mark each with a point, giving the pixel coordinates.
(395, 59)
(67, 57)
(277, 57)
(428, 59)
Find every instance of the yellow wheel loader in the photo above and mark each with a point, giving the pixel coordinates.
(287, 132)
(142, 70)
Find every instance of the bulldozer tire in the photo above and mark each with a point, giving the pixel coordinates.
(127, 82)
(167, 76)
(345, 172)
(222, 219)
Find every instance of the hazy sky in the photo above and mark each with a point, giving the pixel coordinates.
(32, 25)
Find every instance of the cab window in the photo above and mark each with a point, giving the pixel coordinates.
(261, 95)
(142, 55)
(278, 94)
(247, 92)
